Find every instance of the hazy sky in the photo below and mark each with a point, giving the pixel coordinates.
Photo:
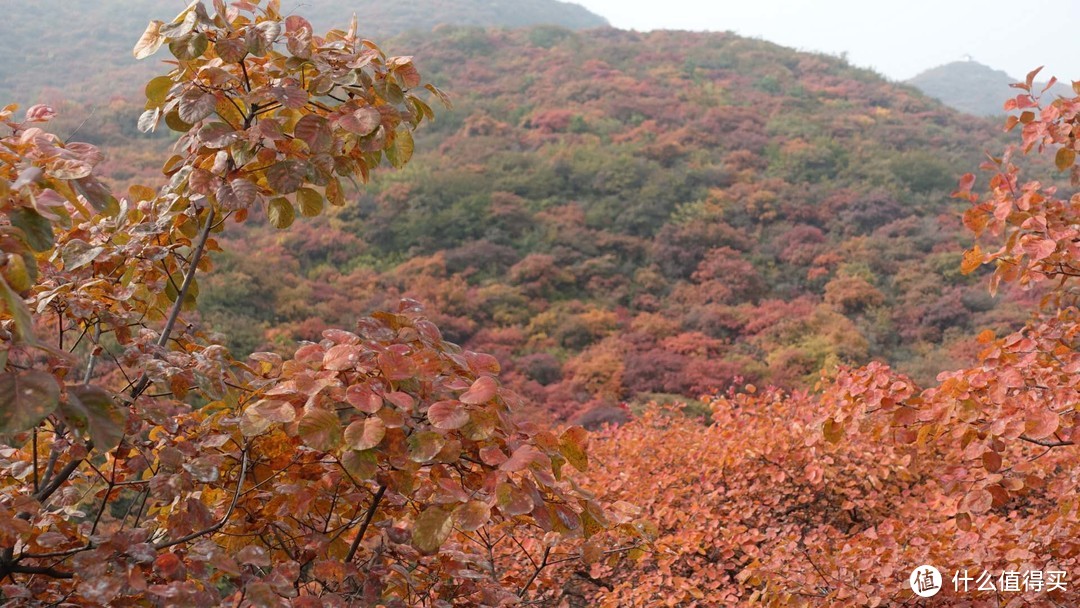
(898, 38)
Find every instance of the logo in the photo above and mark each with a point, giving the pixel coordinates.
(925, 581)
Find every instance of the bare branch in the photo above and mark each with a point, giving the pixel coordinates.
(221, 523)
(364, 526)
(1046, 443)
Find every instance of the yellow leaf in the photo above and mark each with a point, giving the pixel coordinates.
(973, 258)
(833, 431)
(1065, 158)
(150, 41)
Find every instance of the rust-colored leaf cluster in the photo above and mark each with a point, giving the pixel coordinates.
(140, 462)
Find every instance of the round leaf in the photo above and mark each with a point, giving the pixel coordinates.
(150, 41)
(448, 415)
(310, 201)
(432, 529)
(481, 391)
(320, 429)
(286, 176)
(472, 515)
(361, 465)
(363, 121)
(157, 91)
(365, 434)
(26, 398)
(280, 213)
(423, 446)
(363, 398)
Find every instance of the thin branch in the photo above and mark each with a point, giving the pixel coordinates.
(1046, 443)
(189, 277)
(364, 526)
(536, 573)
(62, 476)
(221, 523)
(247, 81)
(8, 569)
(93, 357)
(78, 128)
(54, 455)
(35, 449)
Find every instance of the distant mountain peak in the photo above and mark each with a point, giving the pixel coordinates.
(973, 87)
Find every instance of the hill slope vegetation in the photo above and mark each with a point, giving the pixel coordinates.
(621, 216)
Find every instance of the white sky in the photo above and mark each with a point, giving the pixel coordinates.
(898, 38)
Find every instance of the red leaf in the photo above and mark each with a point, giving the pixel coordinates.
(448, 415)
(492, 456)
(522, 458)
(341, 357)
(363, 398)
(169, 566)
(481, 391)
(1041, 424)
(472, 515)
(362, 122)
(320, 429)
(365, 434)
(977, 501)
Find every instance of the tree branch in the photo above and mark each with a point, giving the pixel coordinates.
(536, 573)
(61, 477)
(1046, 443)
(217, 526)
(6, 569)
(189, 276)
(364, 526)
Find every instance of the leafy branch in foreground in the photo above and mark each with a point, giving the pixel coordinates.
(140, 461)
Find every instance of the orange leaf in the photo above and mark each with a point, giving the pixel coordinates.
(977, 501)
(1041, 424)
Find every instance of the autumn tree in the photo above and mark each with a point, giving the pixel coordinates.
(141, 462)
(833, 497)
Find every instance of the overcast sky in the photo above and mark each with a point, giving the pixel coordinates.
(897, 38)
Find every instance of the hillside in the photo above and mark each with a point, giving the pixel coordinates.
(969, 86)
(749, 258)
(619, 216)
(82, 50)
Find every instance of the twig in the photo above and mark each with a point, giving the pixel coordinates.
(536, 573)
(364, 526)
(1047, 443)
(221, 523)
(189, 277)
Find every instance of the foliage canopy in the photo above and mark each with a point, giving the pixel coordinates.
(140, 460)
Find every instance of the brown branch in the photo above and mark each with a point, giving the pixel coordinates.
(536, 573)
(221, 523)
(189, 277)
(1046, 443)
(247, 80)
(7, 569)
(93, 358)
(61, 477)
(34, 447)
(364, 526)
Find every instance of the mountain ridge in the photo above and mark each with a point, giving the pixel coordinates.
(98, 37)
(975, 88)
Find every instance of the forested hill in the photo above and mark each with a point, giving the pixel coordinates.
(972, 87)
(619, 215)
(82, 50)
